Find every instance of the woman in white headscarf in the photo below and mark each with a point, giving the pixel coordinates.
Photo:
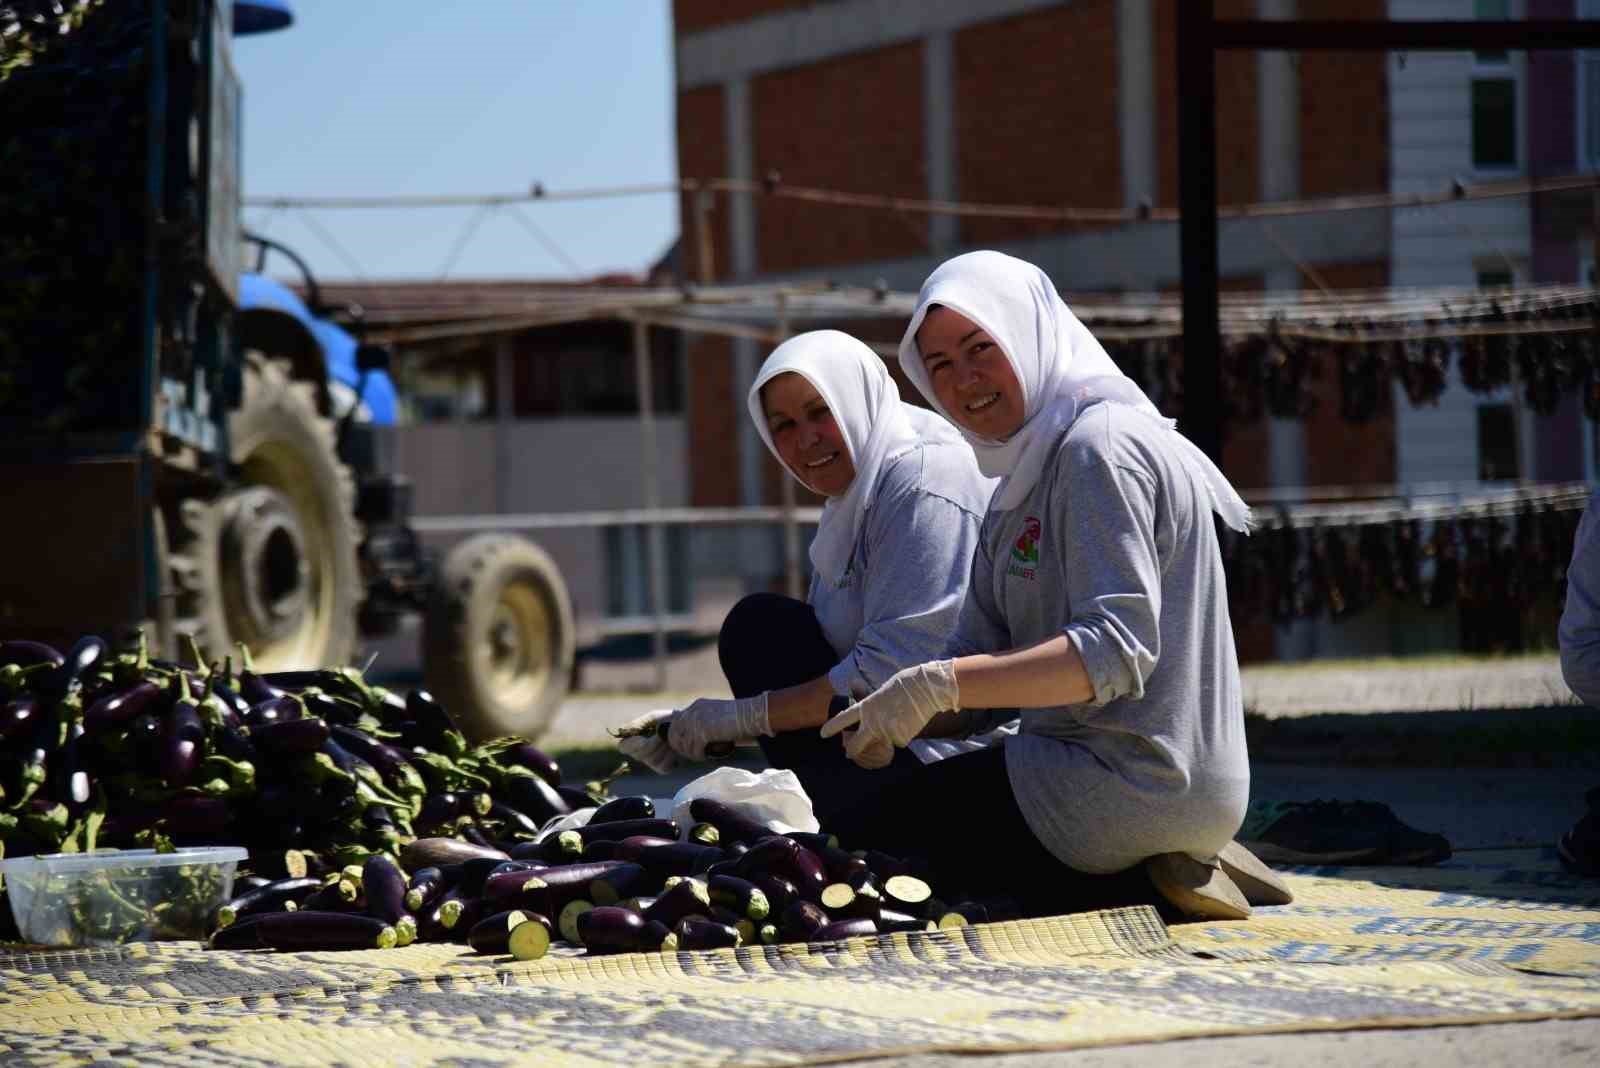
(1097, 608)
(890, 563)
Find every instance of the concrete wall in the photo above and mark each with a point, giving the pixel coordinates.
(550, 465)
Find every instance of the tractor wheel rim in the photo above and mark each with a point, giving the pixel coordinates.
(515, 647)
(300, 626)
(264, 567)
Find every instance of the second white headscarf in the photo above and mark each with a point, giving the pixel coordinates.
(1061, 367)
(875, 423)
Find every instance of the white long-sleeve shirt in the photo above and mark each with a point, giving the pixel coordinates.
(1580, 618)
(1115, 546)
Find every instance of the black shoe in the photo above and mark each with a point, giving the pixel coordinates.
(1579, 848)
(1344, 832)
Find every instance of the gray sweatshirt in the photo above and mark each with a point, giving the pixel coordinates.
(1580, 619)
(898, 601)
(1116, 546)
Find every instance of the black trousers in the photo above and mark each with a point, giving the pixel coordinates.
(957, 814)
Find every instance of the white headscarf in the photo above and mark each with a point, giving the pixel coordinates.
(875, 423)
(1061, 367)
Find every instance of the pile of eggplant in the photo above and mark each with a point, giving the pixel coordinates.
(311, 771)
(629, 880)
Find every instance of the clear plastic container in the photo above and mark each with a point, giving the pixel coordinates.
(114, 896)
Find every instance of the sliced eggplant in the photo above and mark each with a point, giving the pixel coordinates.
(491, 934)
(530, 939)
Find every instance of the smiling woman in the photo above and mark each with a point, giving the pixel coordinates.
(890, 563)
(806, 436)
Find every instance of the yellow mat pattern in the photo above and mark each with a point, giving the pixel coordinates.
(1490, 937)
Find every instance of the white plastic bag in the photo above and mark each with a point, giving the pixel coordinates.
(774, 797)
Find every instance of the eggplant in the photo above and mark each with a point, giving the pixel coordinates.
(472, 874)
(233, 743)
(86, 654)
(842, 929)
(613, 930)
(325, 706)
(531, 851)
(606, 850)
(340, 895)
(275, 710)
(686, 898)
(890, 921)
(671, 858)
(425, 887)
(696, 933)
(622, 881)
(310, 930)
(240, 935)
(633, 807)
(276, 864)
(510, 887)
(429, 715)
(530, 939)
(245, 883)
(802, 919)
(122, 705)
(778, 855)
(74, 786)
(511, 820)
(705, 834)
(733, 825)
(286, 738)
(838, 899)
(621, 829)
(477, 837)
(268, 898)
(384, 885)
(527, 755)
(492, 934)
(907, 894)
(26, 653)
(780, 891)
(18, 717)
(567, 919)
(556, 886)
(575, 798)
(738, 895)
(425, 852)
(391, 763)
(842, 867)
(814, 840)
(967, 912)
(743, 924)
(182, 736)
(767, 934)
(868, 903)
(528, 793)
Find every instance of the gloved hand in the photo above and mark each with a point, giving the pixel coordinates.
(712, 719)
(896, 712)
(646, 746)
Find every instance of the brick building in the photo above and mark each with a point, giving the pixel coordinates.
(1052, 102)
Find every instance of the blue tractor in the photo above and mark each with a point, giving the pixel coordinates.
(189, 446)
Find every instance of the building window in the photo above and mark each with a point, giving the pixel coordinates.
(1497, 442)
(1494, 99)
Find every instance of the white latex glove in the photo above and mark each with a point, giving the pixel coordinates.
(712, 719)
(896, 712)
(651, 749)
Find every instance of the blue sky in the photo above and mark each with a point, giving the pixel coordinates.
(484, 96)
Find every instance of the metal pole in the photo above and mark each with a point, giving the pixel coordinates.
(704, 200)
(1197, 226)
(649, 466)
(791, 525)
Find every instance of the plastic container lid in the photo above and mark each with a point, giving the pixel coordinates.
(69, 863)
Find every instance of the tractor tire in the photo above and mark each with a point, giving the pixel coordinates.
(272, 562)
(498, 637)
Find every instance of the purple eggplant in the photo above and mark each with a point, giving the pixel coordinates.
(607, 929)
(576, 798)
(385, 886)
(18, 717)
(618, 809)
(531, 795)
(696, 932)
(123, 704)
(238, 935)
(841, 929)
(74, 786)
(734, 825)
(390, 762)
(272, 897)
(492, 934)
(86, 654)
(278, 709)
(294, 737)
(511, 821)
(25, 653)
(802, 920)
(673, 858)
(311, 930)
(426, 852)
(196, 816)
(527, 755)
(686, 898)
(252, 687)
(182, 736)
